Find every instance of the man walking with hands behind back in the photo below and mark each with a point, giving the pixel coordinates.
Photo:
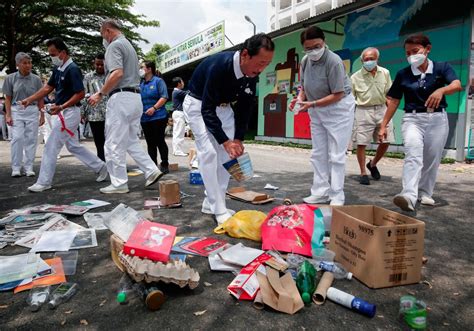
(124, 110)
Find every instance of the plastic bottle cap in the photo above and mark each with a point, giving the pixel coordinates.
(364, 307)
(349, 275)
(122, 297)
(306, 297)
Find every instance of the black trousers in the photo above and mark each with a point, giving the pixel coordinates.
(98, 132)
(155, 138)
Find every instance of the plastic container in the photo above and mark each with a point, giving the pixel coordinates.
(322, 254)
(69, 260)
(306, 281)
(38, 296)
(151, 295)
(125, 288)
(240, 168)
(195, 178)
(337, 269)
(352, 302)
(62, 294)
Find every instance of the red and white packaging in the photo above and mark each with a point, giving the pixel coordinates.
(245, 285)
(151, 241)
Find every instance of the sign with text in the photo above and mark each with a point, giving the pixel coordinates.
(205, 43)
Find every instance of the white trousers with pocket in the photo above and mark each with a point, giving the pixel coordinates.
(179, 124)
(24, 137)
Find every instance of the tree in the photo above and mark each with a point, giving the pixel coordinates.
(156, 50)
(27, 24)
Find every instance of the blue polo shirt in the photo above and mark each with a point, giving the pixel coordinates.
(416, 87)
(152, 91)
(218, 80)
(178, 97)
(66, 82)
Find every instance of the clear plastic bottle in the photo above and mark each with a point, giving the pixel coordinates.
(38, 296)
(62, 294)
(125, 288)
(151, 295)
(306, 281)
(337, 269)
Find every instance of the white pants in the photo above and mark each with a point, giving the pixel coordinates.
(45, 129)
(122, 124)
(211, 155)
(179, 125)
(58, 139)
(24, 137)
(331, 129)
(424, 138)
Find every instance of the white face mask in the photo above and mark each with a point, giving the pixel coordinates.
(56, 61)
(316, 54)
(141, 72)
(416, 60)
(105, 43)
(369, 65)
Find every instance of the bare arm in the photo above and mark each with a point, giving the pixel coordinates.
(8, 110)
(44, 91)
(329, 99)
(392, 106)
(71, 102)
(435, 98)
(109, 85)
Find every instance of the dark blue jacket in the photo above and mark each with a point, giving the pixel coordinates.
(214, 82)
(178, 98)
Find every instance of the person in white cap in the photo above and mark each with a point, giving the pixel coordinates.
(425, 127)
(66, 81)
(24, 121)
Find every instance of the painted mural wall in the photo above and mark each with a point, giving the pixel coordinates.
(385, 27)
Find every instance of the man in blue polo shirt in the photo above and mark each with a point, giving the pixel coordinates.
(218, 128)
(66, 80)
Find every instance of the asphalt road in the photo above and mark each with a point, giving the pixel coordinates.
(448, 275)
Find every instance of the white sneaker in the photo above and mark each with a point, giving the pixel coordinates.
(30, 173)
(312, 199)
(180, 154)
(112, 189)
(403, 202)
(39, 188)
(336, 203)
(206, 208)
(16, 173)
(102, 174)
(426, 200)
(221, 218)
(153, 178)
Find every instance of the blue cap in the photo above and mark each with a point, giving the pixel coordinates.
(363, 307)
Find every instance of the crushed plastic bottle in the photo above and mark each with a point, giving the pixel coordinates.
(337, 269)
(62, 294)
(125, 288)
(38, 296)
(306, 281)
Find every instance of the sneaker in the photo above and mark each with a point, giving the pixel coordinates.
(364, 180)
(221, 218)
(30, 173)
(153, 178)
(427, 201)
(312, 199)
(374, 172)
(102, 174)
(336, 203)
(39, 188)
(403, 203)
(180, 154)
(164, 169)
(16, 173)
(206, 208)
(113, 189)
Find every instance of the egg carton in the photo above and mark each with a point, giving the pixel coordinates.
(175, 271)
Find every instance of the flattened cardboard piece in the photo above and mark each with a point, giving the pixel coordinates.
(280, 293)
(255, 198)
(173, 167)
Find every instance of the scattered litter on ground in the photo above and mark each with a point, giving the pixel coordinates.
(199, 313)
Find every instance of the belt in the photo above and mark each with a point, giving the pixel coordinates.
(124, 89)
(425, 110)
(375, 107)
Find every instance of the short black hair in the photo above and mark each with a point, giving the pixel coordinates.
(58, 43)
(176, 81)
(418, 39)
(254, 43)
(312, 32)
(100, 56)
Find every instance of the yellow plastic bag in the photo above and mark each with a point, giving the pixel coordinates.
(244, 224)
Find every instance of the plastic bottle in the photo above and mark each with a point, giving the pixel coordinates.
(352, 302)
(62, 294)
(151, 295)
(337, 269)
(125, 288)
(38, 296)
(306, 281)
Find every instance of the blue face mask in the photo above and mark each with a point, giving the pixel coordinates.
(369, 65)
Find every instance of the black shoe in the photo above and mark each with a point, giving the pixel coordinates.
(374, 172)
(164, 169)
(364, 180)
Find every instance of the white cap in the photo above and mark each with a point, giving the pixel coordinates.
(349, 275)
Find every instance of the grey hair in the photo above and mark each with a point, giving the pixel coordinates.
(370, 49)
(20, 56)
(111, 23)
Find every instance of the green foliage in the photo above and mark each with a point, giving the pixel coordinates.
(27, 24)
(156, 50)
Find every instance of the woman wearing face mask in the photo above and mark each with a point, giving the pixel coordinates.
(424, 85)
(155, 116)
(24, 121)
(326, 95)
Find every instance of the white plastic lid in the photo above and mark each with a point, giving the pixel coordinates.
(349, 275)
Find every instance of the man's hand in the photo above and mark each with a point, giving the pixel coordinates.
(150, 111)
(234, 148)
(434, 99)
(8, 120)
(94, 99)
(293, 103)
(382, 135)
(55, 109)
(25, 102)
(305, 105)
(41, 120)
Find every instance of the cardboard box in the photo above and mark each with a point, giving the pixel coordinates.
(151, 241)
(169, 192)
(173, 167)
(380, 247)
(245, 285)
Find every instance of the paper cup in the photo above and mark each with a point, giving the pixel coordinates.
(240, 168)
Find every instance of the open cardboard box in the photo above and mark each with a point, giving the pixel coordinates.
(380, 247)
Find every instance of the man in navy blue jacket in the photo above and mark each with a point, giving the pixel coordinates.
(221, 80)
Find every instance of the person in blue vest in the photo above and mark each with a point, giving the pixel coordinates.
(218, 128)
(425, 127)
